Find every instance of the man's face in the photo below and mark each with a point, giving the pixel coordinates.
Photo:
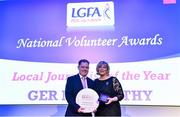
(83, 68)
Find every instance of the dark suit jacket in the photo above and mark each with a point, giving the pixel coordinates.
(73, 86)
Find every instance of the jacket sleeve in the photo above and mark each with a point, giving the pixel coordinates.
(118, 89)
(69, 94)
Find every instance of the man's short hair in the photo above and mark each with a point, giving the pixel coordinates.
(83, 61)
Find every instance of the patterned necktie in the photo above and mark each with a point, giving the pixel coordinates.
(84, 82)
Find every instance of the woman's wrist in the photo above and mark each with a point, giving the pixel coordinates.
(115, 99)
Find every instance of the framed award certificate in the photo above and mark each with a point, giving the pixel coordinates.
(88, 99)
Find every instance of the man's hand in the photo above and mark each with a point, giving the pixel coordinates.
(81, 110)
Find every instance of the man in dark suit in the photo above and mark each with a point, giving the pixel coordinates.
(74, 85)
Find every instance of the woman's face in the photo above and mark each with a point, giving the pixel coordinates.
(103, 70)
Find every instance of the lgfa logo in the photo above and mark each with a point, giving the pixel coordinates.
(90, 14)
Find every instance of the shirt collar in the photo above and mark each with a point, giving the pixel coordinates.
(82, 76)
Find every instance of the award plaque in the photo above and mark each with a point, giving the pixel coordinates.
(103, 98)
(87, 99)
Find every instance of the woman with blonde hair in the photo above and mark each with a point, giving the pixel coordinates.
(109, 90)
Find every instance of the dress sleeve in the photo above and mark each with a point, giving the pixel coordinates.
(118, 89)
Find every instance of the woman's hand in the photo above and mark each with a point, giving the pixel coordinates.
(110, 100)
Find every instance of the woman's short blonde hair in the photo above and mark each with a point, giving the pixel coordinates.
(100, 64)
